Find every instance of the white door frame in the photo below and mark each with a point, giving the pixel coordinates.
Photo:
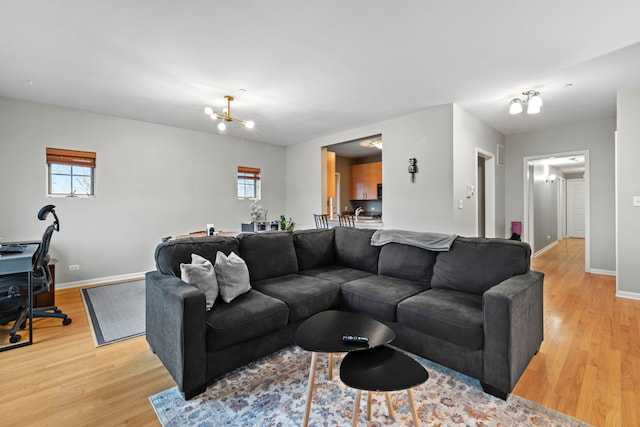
(562, 208)
(527, 225)
(489, 192)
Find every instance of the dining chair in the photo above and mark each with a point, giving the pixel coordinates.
(321, 220)
(347, 220)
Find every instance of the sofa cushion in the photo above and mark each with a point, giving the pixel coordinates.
(353, 249)
(378, 296)
(233, 276)
(268, 254)
(314, 248)
(169, 255)
(449, 315)
(200, 273)
(336, 273)
(249, 316)
(406, 262)
(476, 264)
(304, 295)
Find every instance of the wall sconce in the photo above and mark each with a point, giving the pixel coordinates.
(550, 178)
(413, 168)
(533, 103)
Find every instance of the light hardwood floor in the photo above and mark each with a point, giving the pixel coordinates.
(589, 363)
(588, 366)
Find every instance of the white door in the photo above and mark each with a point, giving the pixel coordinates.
(575, 208)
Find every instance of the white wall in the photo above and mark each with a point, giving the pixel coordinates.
(151, 181)
(545, 206)
(471, 133)
(628, 186)
(597, 137)
(442, 139)
(421, 205)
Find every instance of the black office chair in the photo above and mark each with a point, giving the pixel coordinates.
(14, 289)
(321, 220)
(347, 220)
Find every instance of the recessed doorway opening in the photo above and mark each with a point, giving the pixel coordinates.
(556, 200)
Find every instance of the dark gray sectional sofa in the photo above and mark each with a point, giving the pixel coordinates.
(476, 308)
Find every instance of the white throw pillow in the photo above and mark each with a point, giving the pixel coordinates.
(233, 276)
(201, 274)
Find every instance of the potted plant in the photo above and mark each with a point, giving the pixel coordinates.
(286, 225)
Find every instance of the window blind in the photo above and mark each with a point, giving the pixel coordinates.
(71, 157)
(245, 172)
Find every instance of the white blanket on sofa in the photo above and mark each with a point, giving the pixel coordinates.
(432, 241)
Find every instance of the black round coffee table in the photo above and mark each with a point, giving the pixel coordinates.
(382, 369)
(323, 332)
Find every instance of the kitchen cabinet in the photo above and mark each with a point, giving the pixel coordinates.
(364, 179)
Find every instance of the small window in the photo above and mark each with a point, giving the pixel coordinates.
(248, 183)
(70, 172)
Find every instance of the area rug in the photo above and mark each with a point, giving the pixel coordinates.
(116, 312)
(272, 392)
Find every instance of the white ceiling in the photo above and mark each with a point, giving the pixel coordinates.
(362, 147)
(566, 164)
(312, 69)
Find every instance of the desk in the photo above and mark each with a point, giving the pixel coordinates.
(21, 263)
(46, 299)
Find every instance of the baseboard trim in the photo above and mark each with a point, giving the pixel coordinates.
(628, 295)
(100, 280)
(604, 272)
(546, 248)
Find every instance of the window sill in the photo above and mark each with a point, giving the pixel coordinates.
(68, 196)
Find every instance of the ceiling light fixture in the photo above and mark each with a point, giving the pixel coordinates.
(533, 103)
(375, 143)
(226, 116)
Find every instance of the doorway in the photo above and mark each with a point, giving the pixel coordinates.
(560, 168)
(346, 182)
(481, 198)
(485, 194)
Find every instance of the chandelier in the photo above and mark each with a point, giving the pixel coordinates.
(533, 103)
(225, 116)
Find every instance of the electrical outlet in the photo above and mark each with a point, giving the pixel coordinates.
(74, 267)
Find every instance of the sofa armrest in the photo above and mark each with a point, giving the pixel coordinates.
(513, 329)
(176, 329)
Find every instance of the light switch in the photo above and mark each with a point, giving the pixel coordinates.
(460, 203)
(636, 200)
(471, 189)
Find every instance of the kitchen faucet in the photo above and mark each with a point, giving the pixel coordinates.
(359, 210)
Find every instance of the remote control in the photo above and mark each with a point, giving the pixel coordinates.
(355, 339)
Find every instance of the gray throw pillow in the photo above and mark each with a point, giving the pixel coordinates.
(233, 276)
(201, 274)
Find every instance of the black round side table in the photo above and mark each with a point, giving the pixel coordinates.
(382, 369)
(322, 333)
